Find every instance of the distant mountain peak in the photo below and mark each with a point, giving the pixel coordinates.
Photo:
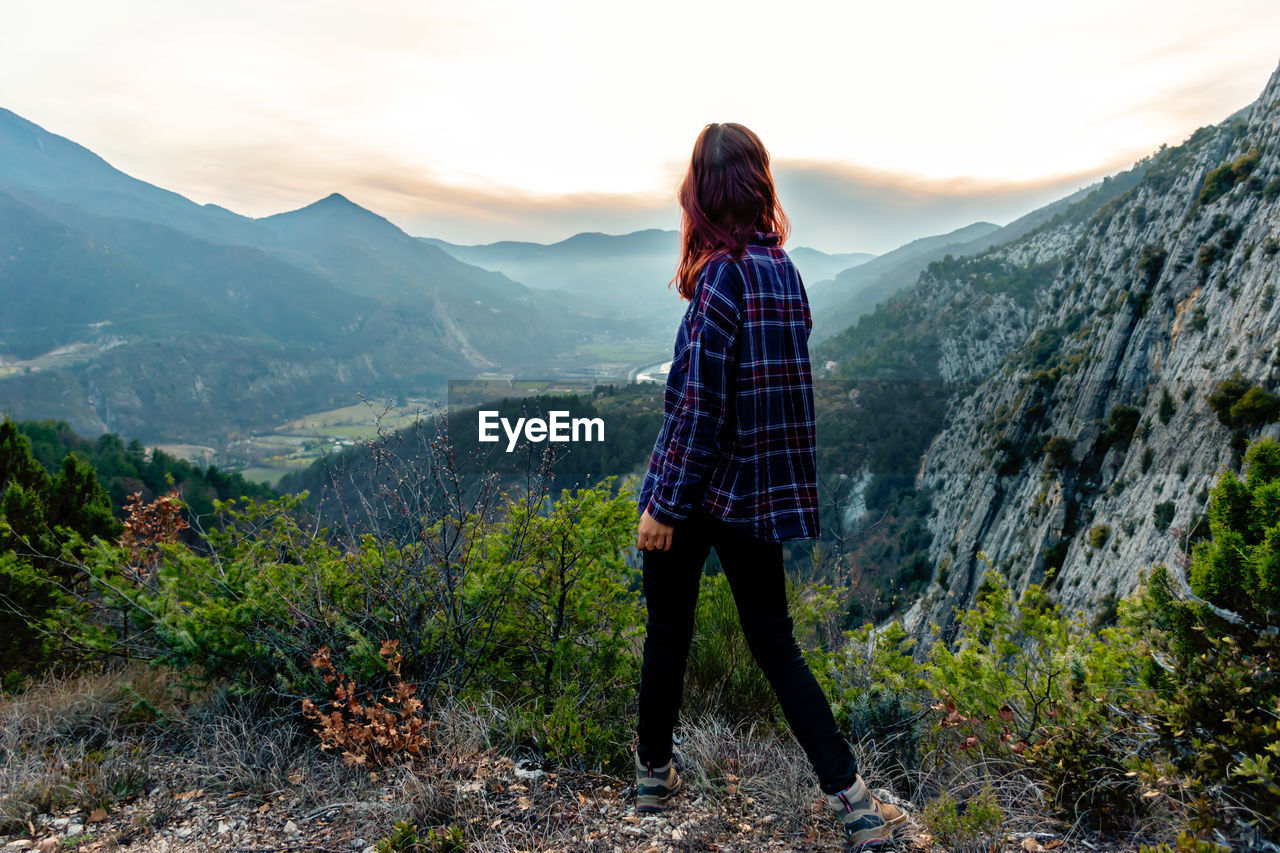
(333, 208)
(333, 201)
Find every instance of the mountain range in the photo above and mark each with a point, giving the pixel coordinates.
(135, 310)
(620, 274)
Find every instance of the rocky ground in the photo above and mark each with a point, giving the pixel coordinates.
(78, 771)
(497, 804)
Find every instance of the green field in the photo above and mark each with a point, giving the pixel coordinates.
(269, 476)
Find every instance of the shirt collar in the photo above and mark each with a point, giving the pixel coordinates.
(763, 238)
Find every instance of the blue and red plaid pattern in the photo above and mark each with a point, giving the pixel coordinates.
(738, 427)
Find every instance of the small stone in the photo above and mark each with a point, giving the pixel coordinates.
(19, 844)
(60, 822)
(357, 844)
(183, 832)
(75, 828)
(526, 769)
(291, 828)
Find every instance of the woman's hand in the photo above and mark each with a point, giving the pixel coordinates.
(653, 534)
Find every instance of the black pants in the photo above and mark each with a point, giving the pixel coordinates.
(755, 573)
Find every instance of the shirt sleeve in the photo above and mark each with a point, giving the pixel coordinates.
(695, 441)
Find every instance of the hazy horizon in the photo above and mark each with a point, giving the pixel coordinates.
(499, 121)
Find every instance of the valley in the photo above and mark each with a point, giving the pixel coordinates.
(945, 366)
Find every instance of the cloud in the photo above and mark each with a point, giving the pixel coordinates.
(834, 207)
(496, 120)
(840, 208)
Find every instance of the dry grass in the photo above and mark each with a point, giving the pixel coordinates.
(772, 773)
(213, 774)
(73, 742)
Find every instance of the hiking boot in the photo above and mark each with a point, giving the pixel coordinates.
(867, 819)
(655, 785)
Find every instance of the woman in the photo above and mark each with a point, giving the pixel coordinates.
(733, 468)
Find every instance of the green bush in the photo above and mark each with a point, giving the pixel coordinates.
(1151, 262)
(1057, 452)
(1025, 682)
(493, 597)
(722, 676)
(1208, 254)
(1226, 176)
(404, 838)
(1238, 567)
(1272, 190)
(45, 522)
(961, 824)
(1239, 404)
(1226, 394)
(566, 633)
(1167, 406)
(1256, 407)
(877, 691)
(1099, 535)
(1121, 424)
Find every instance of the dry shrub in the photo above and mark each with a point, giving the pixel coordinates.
(147, 526)
(377, 730)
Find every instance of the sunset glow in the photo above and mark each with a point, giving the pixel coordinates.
(492, 120)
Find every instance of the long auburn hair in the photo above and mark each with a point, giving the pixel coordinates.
(727, 194)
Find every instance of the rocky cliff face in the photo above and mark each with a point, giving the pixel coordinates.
(1082, 450)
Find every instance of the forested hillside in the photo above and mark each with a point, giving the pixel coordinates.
(136, 311)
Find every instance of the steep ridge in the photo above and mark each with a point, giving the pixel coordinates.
(1101, 403)
(839, 302)
(489, 318)
(36, 162)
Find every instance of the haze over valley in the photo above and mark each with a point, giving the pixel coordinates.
(132, 310)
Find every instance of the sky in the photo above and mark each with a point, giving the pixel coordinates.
(485, 120)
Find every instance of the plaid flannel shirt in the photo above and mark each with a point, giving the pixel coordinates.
(738, 429)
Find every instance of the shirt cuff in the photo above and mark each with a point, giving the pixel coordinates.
(660, 515)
